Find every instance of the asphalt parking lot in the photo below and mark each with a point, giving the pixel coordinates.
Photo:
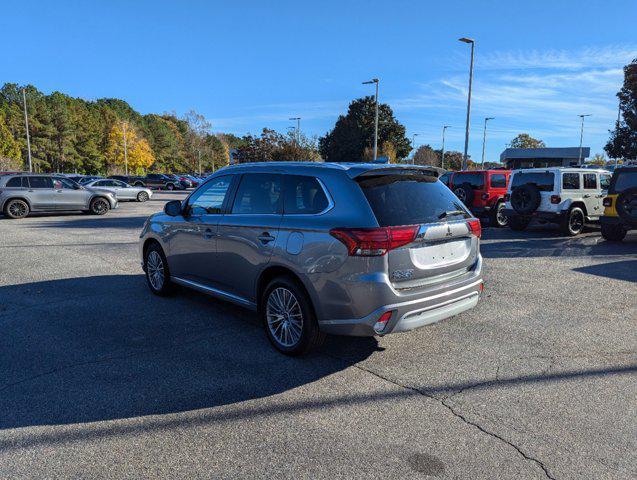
(98, 378)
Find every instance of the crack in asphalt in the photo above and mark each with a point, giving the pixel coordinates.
(443, 401)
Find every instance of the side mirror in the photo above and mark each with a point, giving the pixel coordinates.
(173, 208)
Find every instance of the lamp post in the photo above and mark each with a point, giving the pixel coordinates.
(413, 142)
(298, 129)
(581, 136)
(26, 122)
(375, 80)
(125, 149)
(484, 136)
(466, 135)
(442, 160)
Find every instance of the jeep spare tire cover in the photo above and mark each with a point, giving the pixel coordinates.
(465, 193)
(627, 205)
(525, 199)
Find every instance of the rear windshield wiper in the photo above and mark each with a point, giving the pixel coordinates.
(449, 213)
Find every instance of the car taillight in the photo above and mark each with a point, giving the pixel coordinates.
(507, 197)
(380, 325)
(555, 199)
(371, 242)
(475, 227)
(608, 202)
(485, 196)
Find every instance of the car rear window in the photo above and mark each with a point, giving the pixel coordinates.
(476, 180)
(410, 199)
(542, 180)
(624, 181)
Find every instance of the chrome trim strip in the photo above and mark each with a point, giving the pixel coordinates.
(214, 291)
(438, 305)
(425, 298)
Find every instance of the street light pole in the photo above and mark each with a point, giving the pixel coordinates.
(125, 149)
(413, 142)
(376, 81)
(26, 122)
(581, 136)
(466, 135)
(484, 136)
(298, 129)
(442, 160)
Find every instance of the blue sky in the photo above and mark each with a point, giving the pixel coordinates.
(247, 65)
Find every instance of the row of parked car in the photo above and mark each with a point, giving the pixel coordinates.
(567, 196)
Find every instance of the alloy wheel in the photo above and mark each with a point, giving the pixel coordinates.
(17, 209)
(142, 197)
(100, 207)
(576, 221)
(460, 193)
(284, 316)
(501, 218)
(155, 270)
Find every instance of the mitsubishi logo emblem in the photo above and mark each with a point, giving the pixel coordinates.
(448, 234)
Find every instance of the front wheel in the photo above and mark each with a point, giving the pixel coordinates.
(613, 233)
(170, 186)
(289, 319)
(498, 217)
(142, 197)
(99, 206)
(573, 223)
(16, 209)
(157, 273)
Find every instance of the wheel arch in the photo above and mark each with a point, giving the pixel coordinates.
(578, 204)
(273, 271)
(16, 197)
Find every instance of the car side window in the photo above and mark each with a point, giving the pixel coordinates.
(119, 184)
(15, 182)
(303, 195)
(209, 199)
(258, 193)
(590, 181)
(570, 181)
(60, 183)
(40, 182)
(604, 181)
(498, 180)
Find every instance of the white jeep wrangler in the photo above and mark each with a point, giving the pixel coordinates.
(567, 196)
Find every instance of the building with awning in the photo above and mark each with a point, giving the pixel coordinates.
(515, 158)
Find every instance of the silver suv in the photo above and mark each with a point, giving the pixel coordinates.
(316, 248)
(21, 194)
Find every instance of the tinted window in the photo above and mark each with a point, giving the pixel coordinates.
(570, 181)
(445, 178)
(60, 182)
(209, 198)
(40, 182)
(476, 180)
(410, 199)
(624, 181)
(590, 181)
(258, 193)
(101, 183)
(119, 184)
(15, 182)
(303, 195)
(498, 180)
(154, 176)
(604, 180)
(542, 180)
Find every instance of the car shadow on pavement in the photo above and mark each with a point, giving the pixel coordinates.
(84, 221)
(99, 348)
(624, 270)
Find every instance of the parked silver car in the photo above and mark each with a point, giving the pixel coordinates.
(315, 248)
(21, 194)
(122, 190)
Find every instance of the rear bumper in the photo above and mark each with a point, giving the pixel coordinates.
(552, 217)
(407, 315)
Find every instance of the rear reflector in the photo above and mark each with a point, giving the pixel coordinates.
(475, 227)
(608, 202)
(371, 242)
(380, 325)
(555, 199)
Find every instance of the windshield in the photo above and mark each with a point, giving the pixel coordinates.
(410, 199)
(542, 180)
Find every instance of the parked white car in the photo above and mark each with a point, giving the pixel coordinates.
(567, 196)
(122, 190)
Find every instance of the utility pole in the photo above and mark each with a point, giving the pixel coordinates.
(199, 159)
(125, 149)
(298, 129)
(413, 142)
(26, 122)
(442, 160)
(581, 136)
(619, 111)
(484, 136)
(466, 135)
(376, 81)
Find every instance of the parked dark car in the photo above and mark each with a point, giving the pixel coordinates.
(159, 181)
(134, 180)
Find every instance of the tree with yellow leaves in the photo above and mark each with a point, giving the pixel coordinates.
(127, 151)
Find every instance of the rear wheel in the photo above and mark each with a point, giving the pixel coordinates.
(573, 223)
(498, 218)
(613, 233)
(16, 209)
(518, 223)
(289, 319)
(99, 206)
(142, 197)
(157, 273)
(170, 186)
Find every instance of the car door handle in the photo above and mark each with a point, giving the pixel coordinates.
(208, 233)
(265, 238)
(587, 196)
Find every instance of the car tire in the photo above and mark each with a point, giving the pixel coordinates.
(288, 317)
(573, 222)
(170, 187)
(16, 209)
(518, 223)
(99, 206)
(142, 197)
(613, 233)
(498, 219)
(157, 272)
(626, 205)
(525, 199)
(465, 193)
(138, 184)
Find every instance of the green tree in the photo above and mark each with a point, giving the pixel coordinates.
(10, 158)
(623, 140)
(354, 132)
(425, 155)
(598, 159)
(524, 140)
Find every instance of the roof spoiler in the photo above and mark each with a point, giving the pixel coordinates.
(405, 169)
